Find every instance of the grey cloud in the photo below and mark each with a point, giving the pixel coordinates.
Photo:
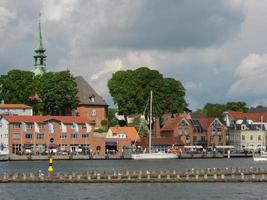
(171, 24)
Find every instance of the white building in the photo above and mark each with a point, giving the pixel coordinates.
(247, 131)
(4, 135)
(15, 109)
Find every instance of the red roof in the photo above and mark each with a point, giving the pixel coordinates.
(251, 116)
(205, 122)
(16, 106)
(129, 131)
(40, 118)
(171, 124)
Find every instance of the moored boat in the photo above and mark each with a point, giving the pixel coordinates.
(4, 155)
(160, 155)
(261, 157)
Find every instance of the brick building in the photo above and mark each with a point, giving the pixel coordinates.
(91, 104)
(43, 134)
(208, 132)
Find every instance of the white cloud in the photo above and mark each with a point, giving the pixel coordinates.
(251, 76)
(56, 10)
(109, 67)
(5, 16)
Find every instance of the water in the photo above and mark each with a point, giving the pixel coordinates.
(157, 191)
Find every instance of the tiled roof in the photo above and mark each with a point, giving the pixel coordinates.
(205, 122)
(249, 116)
(15, 106)
(171, 124)
(129, 131)
(39, 118)
(85, 92)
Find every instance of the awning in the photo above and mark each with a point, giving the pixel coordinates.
(225, 147)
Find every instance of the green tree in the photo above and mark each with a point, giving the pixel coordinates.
(17, 86)
(214, 110)
(131, 90)
(112, 120)
(58, 91)
(239, 106)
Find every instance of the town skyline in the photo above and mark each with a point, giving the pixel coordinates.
(223, 61)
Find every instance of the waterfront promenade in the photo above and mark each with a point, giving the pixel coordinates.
(162, 176)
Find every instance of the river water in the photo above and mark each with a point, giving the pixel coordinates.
(154, 191)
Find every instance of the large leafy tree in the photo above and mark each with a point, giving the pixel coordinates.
(17, 86)
(58, 92)
(131, 90)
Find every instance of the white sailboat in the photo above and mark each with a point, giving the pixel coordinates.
(261, 157)
(4, 153)
(151, 155)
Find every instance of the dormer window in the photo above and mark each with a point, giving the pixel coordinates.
(92, 98)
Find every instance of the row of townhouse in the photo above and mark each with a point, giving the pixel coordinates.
(44, 134)
(186, 130)
(247, 131)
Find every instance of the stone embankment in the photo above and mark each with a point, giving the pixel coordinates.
(173, 176)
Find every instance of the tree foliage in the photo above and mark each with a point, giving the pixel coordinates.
(216, 110)
(58, 92)
(17, 86)
(131, 91)
(141, 125)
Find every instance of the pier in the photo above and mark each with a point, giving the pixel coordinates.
(208, 175)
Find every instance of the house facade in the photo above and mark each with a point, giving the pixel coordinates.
(207, 132)
(15, 109)
(91, 104)
(57, 134)
(247, 131)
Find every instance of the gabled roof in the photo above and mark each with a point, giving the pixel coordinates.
(129, 131)
(40, 119)
(205, 122)
(249, 116)
(14, 106)
(171, 124)
(86, 92)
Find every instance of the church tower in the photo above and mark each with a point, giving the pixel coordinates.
(39, 56)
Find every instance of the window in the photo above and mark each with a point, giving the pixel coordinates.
(63, 136)
(84, 126)
(29, 126)
(16, 125)
(94, 112)
(16, 148)
(28, 136)
(63, 147)
(41, 125)
(73, 136)
(40, 136)
(259, 137)
(180, 131)
(16, 136)
(251, 137)
(243, 138)
(85, 135)
(186, 131)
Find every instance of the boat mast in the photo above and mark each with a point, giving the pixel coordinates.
(150, 121)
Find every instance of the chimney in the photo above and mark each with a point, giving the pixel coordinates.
(156, 128)
(2, 101)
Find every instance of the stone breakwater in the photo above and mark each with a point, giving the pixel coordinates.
(173, 176)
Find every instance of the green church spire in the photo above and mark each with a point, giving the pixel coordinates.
(39, 56)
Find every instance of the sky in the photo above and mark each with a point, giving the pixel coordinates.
(217, 49)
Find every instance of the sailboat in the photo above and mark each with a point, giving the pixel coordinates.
(150, 154)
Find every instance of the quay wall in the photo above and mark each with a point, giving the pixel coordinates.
(170, 176)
